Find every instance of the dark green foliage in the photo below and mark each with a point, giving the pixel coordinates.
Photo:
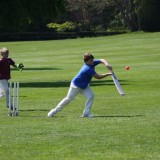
(12, 15)
(42, 12)
(150, 15)
(89, 15)
(27, 15)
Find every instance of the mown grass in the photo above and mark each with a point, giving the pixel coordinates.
(123, 127)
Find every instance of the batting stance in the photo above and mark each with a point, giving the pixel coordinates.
(5, 63)
(80, 84)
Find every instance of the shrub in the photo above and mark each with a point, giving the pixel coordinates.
(64, 27)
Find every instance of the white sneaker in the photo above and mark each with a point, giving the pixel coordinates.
(88, 116)
(52, 113)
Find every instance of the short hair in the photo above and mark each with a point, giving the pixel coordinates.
(4, 50)
(87, 56)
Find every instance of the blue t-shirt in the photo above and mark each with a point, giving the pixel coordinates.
(84, 76)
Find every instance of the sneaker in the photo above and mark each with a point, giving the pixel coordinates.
(88, 116)
(52, 113)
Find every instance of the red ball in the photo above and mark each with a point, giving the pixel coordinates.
(127, 67)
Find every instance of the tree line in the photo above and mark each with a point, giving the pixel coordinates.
(81, 15)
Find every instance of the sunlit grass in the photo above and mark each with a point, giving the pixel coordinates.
(123, 127)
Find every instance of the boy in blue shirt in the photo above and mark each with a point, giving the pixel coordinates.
(80, 84)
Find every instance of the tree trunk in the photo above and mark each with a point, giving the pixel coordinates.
(127, 10)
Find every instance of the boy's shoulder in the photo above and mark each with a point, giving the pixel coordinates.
(6, 60)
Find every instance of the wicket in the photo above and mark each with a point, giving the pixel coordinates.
(13, 99)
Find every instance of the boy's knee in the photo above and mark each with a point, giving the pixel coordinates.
(91, 96)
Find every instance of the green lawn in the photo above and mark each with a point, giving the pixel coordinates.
(124, 128)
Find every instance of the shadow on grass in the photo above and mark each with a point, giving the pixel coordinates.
(107, 82)
(118, 116)
(45, 84)
(37, 69)
(34, 110)
(66, 84)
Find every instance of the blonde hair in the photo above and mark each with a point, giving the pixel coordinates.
(4, 50)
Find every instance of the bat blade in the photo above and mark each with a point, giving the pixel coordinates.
(117, 84)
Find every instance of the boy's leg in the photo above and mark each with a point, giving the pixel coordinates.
(2, 94)
(5, 89)
(72, 93)
(90, 98)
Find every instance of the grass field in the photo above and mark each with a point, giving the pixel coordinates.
(124, 128)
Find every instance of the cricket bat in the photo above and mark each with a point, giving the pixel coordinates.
(117, 84)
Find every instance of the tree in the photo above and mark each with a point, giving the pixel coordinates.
(41, 12)
(149, 15)
(90, 13)
(19, 15)
(12, 16)
(127, 10)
